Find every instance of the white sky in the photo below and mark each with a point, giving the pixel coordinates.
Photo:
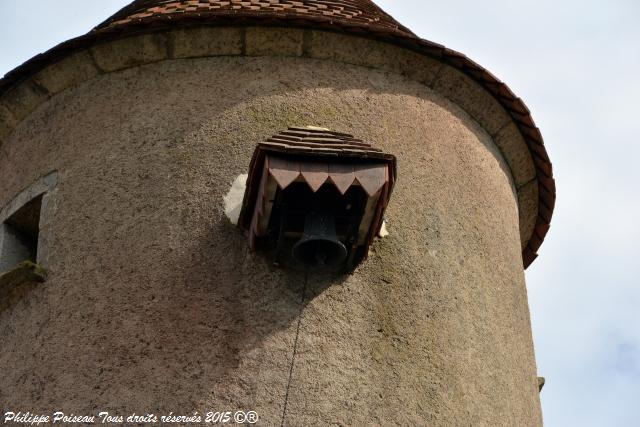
(576, 64)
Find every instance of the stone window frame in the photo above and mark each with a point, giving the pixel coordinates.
(43, 187)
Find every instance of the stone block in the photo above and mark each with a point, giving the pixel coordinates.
(347, 49)
(24, 98)
(41, 186)
(416, 66)
(130, 52)
(7, 123)
(527, 210)
(473, 98)
(262, 41)
(516, 153)
(374, 54)
(205, 41)
(68, 72)
(46, 247)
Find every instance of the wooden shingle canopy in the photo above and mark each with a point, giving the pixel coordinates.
(316, 157)
(357, 17)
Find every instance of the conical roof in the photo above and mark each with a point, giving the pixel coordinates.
(356, 13)
(359, 17)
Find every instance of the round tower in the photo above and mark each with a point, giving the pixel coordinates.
(128, 288)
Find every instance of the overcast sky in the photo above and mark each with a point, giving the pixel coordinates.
(576, 64)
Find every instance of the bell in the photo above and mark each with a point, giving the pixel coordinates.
(319, 246)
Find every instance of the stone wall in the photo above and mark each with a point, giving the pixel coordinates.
(154, 303)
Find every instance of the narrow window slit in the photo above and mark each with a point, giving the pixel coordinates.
(19, 235)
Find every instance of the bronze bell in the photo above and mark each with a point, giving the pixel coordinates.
(319, 246)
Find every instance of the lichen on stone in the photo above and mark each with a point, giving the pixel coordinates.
(26, 271)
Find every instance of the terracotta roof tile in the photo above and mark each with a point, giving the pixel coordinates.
(361, 12)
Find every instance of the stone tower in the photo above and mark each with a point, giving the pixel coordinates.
(117, 149)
